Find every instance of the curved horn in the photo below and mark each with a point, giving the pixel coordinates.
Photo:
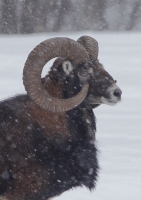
(90, 44)
(39, 56)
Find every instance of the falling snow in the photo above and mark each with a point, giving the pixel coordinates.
(118, 128)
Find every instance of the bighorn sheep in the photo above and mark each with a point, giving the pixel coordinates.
(47, 137)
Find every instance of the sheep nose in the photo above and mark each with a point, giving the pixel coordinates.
(118, 93)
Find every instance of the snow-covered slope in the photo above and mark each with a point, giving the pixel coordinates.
(118, 127)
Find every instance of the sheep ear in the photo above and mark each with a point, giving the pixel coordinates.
(67, 67)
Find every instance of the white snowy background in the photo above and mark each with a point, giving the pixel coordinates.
(118, 127)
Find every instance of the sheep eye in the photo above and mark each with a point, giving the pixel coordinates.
(86, 71)
(67, 67)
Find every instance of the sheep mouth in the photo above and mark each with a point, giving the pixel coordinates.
(113, 95)
(110, 101)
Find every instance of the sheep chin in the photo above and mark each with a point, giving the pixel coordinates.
(108, 101)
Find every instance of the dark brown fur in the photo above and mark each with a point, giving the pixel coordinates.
(42, 153)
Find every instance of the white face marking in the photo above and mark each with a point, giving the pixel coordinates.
(113, 99)
(67, 67)
(112, 88)
(107, 102)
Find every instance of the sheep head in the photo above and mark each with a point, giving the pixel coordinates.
(102, 87)
(77, 62)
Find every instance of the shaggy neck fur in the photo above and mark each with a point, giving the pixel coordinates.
(44, 154)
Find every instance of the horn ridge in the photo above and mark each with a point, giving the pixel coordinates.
(90, 44)
(39, 56)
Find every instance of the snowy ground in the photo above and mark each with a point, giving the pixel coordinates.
(118, 128)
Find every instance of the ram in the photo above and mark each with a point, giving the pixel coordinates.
(47, 136)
